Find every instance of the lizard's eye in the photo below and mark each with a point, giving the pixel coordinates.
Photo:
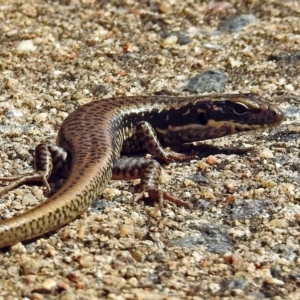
(239, 108)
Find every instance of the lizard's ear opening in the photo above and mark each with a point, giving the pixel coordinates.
(202, 118)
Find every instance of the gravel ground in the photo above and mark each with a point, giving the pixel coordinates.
(242, 239)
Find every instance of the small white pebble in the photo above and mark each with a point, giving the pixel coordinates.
(49, 284)
(259, 191)
(188, 182)
(134, 216)
(18, 248)
(187, 194)
(154, 212)
(202, 165)
(111, 193)
(56, 73)
(276, 281)
(169, 41)
(41, 117)
(86, 261)
(290, 88)
(133, 282)
(13, 113)
(13, 271)
(29, 199)
(126, 230)
(11, 83)
(161, 60)
(234, 62)
(214, 287)
(279, 223)
(266, 153)
(268, 183)
(26, 45)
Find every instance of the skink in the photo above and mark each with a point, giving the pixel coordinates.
(92, 138)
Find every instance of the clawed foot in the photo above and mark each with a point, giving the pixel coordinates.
(160, 196)
(16, 181)
(171, 156)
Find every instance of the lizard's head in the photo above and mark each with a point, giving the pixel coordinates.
(208, 117)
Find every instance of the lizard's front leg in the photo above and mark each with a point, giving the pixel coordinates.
(147, 136)
(149, 171)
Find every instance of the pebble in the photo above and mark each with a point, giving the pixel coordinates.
(155, 212)
(211, 160)
(29, 199)
(206, 82)
(13, 271)
(86, 261)
(266, 153)
(111, 193)
(36, 296)
(188, 182)
(26, 46)
(278, 223)
(126, 230)
(202, 165)
(237, 23)
(169, 41)
(49, 284)
(41, 117)
(275, 281)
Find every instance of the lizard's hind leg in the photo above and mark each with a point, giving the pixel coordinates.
(48, 159)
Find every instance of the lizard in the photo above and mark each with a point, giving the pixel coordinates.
(92, 139)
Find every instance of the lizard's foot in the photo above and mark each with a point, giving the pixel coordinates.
(160, 196)
(16, 181)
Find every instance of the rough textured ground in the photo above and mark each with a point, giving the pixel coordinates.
(242, 240)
